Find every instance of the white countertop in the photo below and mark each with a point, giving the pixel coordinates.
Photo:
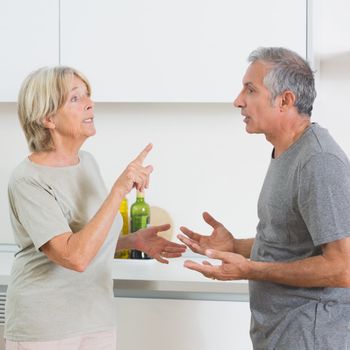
(148, 278)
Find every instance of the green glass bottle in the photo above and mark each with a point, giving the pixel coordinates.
(139, 218)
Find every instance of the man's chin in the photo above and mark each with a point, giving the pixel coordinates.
(251, 130)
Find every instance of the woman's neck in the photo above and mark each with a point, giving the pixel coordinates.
(55, 158)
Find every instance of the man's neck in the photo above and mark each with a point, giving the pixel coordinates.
(288, 134)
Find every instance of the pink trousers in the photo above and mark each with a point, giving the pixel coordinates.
(92, 341)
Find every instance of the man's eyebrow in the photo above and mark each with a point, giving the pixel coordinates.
(249, 84)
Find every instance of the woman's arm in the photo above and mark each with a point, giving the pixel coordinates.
(148, 241)
(76, 250)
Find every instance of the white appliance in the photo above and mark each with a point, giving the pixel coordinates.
(2, 318)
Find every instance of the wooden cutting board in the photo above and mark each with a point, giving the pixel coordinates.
(160, 216)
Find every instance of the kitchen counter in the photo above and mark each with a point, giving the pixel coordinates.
(150, 279)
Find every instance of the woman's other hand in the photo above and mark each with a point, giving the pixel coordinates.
(159, 248)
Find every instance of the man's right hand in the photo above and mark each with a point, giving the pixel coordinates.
(220, 239)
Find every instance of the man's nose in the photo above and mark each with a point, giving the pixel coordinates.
(238, 102)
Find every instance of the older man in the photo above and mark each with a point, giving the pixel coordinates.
(298, 264)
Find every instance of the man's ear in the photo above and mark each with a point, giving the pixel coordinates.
(49, 122)
(287, 100)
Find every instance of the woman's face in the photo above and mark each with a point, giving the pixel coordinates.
(75, 119)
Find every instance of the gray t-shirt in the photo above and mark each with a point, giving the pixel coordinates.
(304, 203)
(46, 301)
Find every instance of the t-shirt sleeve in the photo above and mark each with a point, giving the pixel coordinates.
(324, 198)
(37, 211)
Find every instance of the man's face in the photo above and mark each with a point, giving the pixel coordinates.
(255, 101)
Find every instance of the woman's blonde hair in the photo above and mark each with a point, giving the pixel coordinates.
(42, 94)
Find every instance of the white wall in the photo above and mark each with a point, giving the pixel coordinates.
(202, 156)
(332, 54)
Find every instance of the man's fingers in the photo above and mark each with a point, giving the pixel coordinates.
(143, 154)
(210, 220)
(189, 233)
(206, 270)
(190, 243)
(217, 254)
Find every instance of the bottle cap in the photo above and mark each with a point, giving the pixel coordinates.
(140, 194)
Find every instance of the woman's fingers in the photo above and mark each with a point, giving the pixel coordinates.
(160, 228)
(161, 259)
(138, 175)
(174, 248)
(170, 255)
(143, 154)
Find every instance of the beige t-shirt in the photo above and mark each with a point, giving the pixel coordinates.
(46, 301)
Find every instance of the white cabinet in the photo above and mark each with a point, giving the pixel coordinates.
(160, 324)
(169, 51)
(29, 37)
(146, 51)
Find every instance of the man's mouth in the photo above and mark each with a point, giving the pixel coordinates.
(88, 120)
(246, 118)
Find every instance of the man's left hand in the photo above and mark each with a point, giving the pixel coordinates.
(233, 266)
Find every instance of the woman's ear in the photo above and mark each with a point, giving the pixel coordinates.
(49, 122)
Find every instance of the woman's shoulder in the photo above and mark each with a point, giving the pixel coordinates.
(87, 159)
(24, 172)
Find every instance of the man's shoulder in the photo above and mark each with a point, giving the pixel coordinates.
(319, 144)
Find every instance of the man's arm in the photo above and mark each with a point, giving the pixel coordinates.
(330, 269)
(243, 246)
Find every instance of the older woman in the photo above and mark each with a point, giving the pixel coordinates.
(66, 224)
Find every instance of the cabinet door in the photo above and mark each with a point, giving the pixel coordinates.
(160, 324)
(29, 37)
(173, 51)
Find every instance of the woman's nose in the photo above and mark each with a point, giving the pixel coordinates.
(89, 103)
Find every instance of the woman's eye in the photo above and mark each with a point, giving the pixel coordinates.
(74, 99)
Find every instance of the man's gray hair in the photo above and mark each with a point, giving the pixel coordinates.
(287, 72)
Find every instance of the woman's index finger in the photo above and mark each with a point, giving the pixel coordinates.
(143, 154)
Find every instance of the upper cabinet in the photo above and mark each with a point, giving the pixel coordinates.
(29, 37)
(173, 51)
(146, 51)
